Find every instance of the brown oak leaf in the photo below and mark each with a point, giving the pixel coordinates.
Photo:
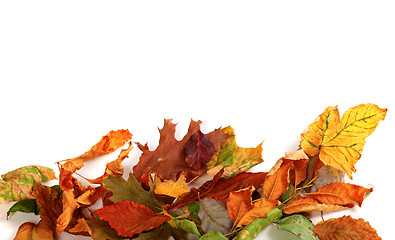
(168, 159)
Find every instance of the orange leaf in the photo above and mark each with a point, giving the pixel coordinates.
(276, 181)
(259, 210)
(69, 206)
(345, 228)
(239, 204)
(109, 143)
(341, 194)
(306, 204)
(29, 230)
(171, 188)
(115, 167)
(129, 218)
(331, 197)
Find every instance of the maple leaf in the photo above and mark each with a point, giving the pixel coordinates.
(50, 202)
(109, 143)
(346, 228)
(171, 188)
(168, 159)
(198, 151)
(18, 184)
(214, 216)
(339, 142)
(129, 218)
(232, 158)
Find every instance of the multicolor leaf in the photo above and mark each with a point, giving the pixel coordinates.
(346, 228)
(18, 184)
(129, 218)
(232, 158)
(250, 231)
(339, 142)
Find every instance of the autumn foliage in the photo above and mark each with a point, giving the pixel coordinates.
(156, 200)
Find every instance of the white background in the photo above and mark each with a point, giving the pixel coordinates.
(71, 71)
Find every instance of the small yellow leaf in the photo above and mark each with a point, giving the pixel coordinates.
(171, 188)
(339, 142)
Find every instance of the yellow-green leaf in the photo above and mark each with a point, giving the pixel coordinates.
(232, 158)
(339, 141)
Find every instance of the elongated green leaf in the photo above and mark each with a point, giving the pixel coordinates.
(298, 225)
(17, 185)
(250, 231)
(214, 235)
(130, 190)
(187, 226)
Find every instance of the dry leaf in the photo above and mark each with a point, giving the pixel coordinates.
(171, 188)
(129, 218)
(345, 228)
(239, 204)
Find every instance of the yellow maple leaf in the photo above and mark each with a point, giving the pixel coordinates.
(171, 188)
(338, 142)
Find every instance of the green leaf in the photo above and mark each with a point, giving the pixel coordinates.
(187, 226)
(193, 209)
(17, 185)
(130, 190)
(163, 232)
(26, 206)
(214, 216)
(214, 235)
(250, 231)
(299, 225)
(232, 158)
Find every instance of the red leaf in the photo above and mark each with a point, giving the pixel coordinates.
(129, 218)
(198, 151)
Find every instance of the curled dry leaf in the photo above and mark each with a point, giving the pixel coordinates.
(109, 143)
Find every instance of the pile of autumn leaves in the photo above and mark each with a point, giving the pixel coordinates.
(155, 201)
